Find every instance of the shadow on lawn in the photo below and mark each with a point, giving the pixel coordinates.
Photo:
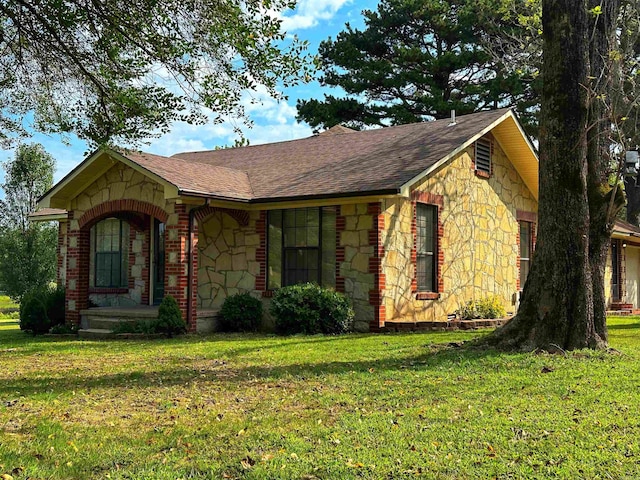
(217, 371)
(624, 326)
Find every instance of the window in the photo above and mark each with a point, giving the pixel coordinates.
(110, 244)
(526, 248)
(426, 247)
(483, 156)
(615, 270)
(301, 247)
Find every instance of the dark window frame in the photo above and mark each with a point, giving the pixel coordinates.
(423, 284)
(527, 260)
(122, 277)
(286, 272)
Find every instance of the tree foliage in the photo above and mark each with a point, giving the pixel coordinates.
(125, 69)
(28, 176)
(416, 60)
(27, 250)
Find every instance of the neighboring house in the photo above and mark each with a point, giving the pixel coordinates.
(410, 222)
(622, 272)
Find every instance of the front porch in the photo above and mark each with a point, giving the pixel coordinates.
(99, 322)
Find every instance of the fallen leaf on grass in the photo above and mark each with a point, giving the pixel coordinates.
(247, 463)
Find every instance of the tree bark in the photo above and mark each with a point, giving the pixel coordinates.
(604, 200)
(557, 308)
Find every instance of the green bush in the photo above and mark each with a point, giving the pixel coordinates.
(488, 307)
(240, 313)
(64, 329)
(310, 309)
(41, 309)
(170, 320)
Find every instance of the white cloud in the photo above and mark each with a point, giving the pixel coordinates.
(309, 13)
(273, 121)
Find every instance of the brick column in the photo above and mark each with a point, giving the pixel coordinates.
(77, 280)
(376, 296)
(176, 266)
(61, 252)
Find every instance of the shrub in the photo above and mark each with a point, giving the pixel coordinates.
(310, 309)
(241, 313)
(488, 307)
(64, 329)
(170, 320)
(41, 309)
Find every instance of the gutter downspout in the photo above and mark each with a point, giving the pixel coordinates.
(192, 215)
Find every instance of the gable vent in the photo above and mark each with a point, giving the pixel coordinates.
(483, 155)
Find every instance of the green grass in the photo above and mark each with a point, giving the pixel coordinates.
(7, 303)
(357, 406)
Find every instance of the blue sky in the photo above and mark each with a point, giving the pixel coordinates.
(312, 20)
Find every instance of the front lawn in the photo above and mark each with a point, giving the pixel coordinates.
(356, 406)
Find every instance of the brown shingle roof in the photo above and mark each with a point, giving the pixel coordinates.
(338, 162)
(341, 163)
(194, 177)
(626, 228)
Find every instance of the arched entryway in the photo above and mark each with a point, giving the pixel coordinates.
(116, 257)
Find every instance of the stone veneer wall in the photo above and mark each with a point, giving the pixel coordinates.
(479, 238)
(355, 250)
(227, 261)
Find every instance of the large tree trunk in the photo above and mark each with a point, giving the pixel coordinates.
(557, 302)
(604, 201)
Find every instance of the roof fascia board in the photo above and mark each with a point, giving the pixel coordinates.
(45, 200)
(406, 187)
(48, 199)
(56, 217)
(284, 203)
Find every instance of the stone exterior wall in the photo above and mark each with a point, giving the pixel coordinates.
(227, 262)
(356, 247)
(479, 245)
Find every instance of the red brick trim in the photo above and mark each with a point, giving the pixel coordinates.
(261, 252)
(481, 174)
(430, 199)
(341, 225)
(427, 296)
(77, 280)
(105, 209)
(240, 216)
(62, 231)
(376, 296)
(523, 216)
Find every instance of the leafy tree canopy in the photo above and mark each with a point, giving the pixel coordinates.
(416, 60)
(27, 250)
(121, 70)
(27, 177)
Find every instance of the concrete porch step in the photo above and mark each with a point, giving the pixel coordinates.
(95, 333)
(104, 323)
